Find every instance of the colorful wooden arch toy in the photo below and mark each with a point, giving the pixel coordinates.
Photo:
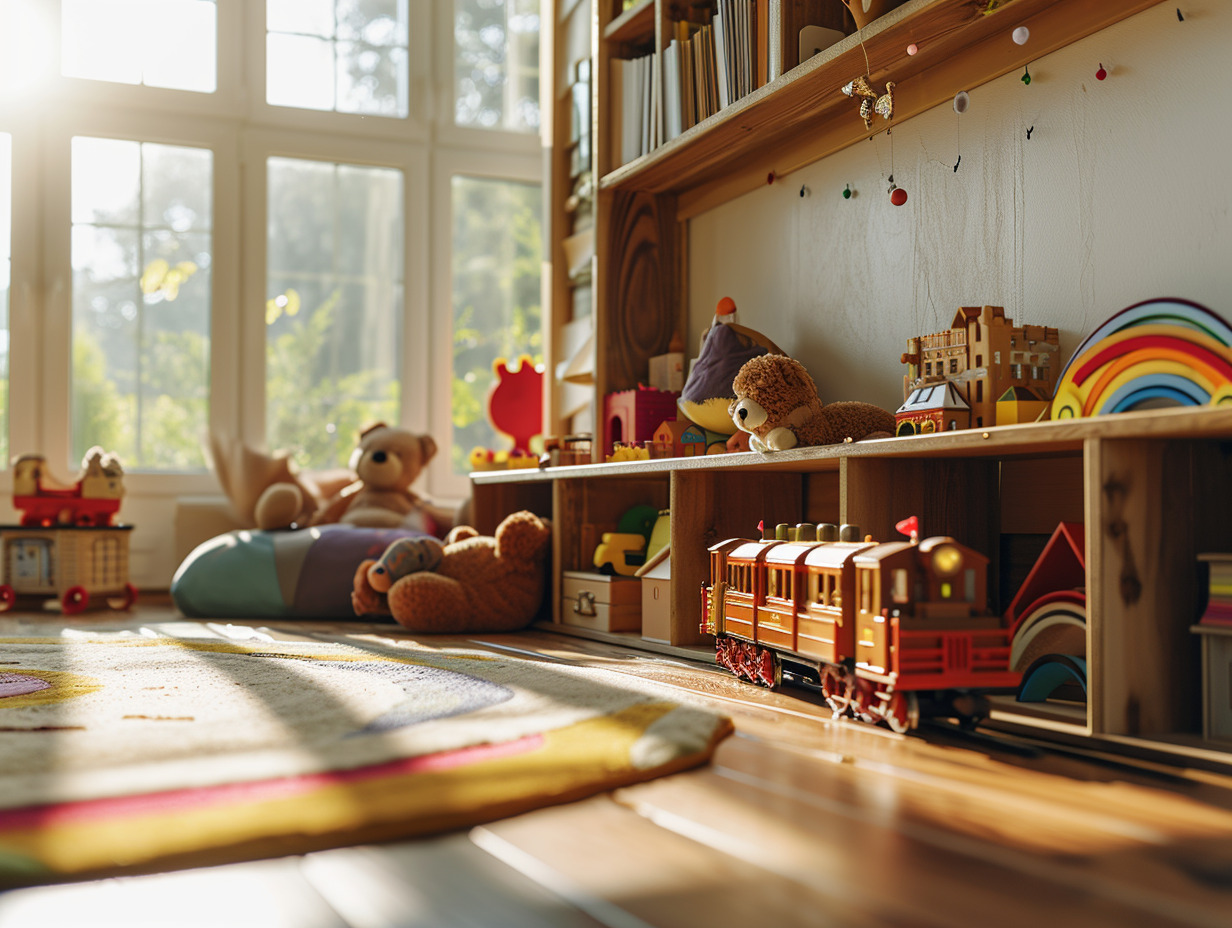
(1160, 352)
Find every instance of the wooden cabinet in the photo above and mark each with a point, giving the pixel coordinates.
(1150, 488)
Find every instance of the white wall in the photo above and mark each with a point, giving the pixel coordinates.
(1121, 194)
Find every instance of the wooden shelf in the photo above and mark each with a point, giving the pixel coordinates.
(636, 24)
(1035, 439)
(803, 115)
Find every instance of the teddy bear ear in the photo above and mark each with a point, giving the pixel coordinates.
(427, 448)
(370, 428)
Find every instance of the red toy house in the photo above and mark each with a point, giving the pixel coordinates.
(631, 416)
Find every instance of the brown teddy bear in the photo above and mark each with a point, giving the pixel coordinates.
(777, 404)
(386, 462)
(270, 493)
(482, 583)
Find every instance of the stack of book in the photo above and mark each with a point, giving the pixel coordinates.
(1219, 590)
(705, 67)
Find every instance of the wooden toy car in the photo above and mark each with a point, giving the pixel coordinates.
(78, 565)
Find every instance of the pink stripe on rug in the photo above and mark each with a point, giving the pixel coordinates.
(178, 800)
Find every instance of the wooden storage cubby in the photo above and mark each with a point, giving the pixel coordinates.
(1149, 487)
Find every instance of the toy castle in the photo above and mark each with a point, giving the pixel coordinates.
(983, 358)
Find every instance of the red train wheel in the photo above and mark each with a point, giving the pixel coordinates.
(836, 687)
(769, 670)
(902, 712)
(864, 702)
(74, 600)
(7, 597)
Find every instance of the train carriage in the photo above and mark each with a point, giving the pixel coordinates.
(826, 626)
(885, 626)
(742, 593)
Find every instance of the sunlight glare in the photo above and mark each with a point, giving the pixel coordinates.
(159, 43)
(27, 51)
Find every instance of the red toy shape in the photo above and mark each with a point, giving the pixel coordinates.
(515, 402)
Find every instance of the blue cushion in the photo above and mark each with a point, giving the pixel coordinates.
(304, 573)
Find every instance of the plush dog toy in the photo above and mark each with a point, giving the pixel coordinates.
(777, 404)
(483, 583)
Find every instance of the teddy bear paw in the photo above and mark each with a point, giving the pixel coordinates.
(779, 439)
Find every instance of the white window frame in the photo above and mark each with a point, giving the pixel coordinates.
(242, 131)
(447, 164)
(415, 360)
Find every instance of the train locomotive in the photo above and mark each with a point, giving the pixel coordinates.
(890, 631)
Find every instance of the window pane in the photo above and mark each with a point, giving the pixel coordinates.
(334, 312)
(496, 267)
(141, 248)
(159, 43)
(496, 64)
(6, 255)
(344, 55)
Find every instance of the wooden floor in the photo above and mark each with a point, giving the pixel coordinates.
(800, 820)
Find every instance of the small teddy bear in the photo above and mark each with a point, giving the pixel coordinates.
(483, 583)
(777, 404)
(386, 462)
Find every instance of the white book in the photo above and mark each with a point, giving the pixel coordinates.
(631, 111)
(643, 94)
(741, 43)
(616, 115)
(720, 55)
(656, 100)
(672, 115)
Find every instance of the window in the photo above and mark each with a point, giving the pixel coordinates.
(339, 55)
(267, 226)
(141, 254)
(333, 313)
(158, 43)
(899, 583)
(496, 64)
(496, 296)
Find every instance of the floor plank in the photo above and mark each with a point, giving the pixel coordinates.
(262, 894)
(435, 882)
(801, 819)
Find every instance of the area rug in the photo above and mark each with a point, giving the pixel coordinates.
(132, 754)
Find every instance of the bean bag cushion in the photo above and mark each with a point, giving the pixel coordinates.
(303, 574)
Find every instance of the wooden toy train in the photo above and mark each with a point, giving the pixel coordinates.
(93, 499)
(891, 631)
